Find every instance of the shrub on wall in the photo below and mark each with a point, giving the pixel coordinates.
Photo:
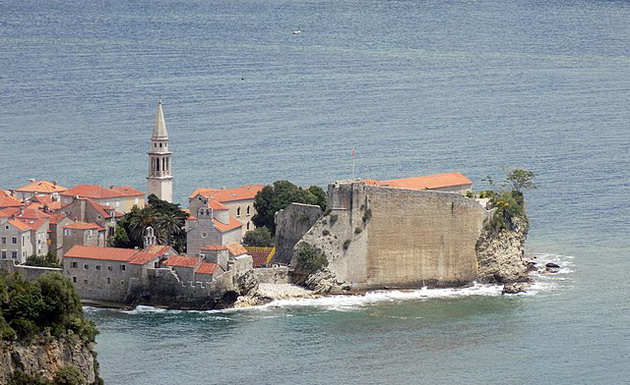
(310, 259)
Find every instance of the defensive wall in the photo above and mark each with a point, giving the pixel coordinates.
(29, 273)
(382, 237)
(291, 224)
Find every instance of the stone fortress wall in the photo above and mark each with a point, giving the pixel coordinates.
(382, 237)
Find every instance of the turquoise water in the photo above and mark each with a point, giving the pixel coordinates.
(417, 87)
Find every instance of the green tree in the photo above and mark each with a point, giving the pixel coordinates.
(18, 377)
(273, 198)
(310, 259)
(520, 180)
(260, 236)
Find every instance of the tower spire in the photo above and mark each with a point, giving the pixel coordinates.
(159, 127)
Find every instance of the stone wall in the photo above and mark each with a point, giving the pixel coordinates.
(29, 273)
(291, 225)
(274, 275)
(381, 237)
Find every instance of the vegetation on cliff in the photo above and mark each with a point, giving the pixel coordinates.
(310, 259)
(273, 198)
(47, 306)
(167, 219)
(508, 201)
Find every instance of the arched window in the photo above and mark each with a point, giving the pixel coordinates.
(247, 225)
(238, 211)
(247, 210)
(157, 164)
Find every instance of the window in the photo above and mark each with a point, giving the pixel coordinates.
(66, 232)
(248, 211)
(4, 240)
(156, 264)
(204, 235)
(122, 283)
(23, 240)
(109, 268)
(160, 144)
(14, 254)
(122, 267)
(4, 255)
(98, 267)
(86, 267)
(75, 265)
(109, 281)
(14, 240)
(238, 211)
(98, 217)
(247, 225)
(85, 281)
(6, 227)
(74, 279)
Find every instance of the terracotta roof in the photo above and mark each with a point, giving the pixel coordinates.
(259, 255)
(104, 253)
(206, 268)
(231, 194)
(5, 193)
(99, 192)
(182, 261)
(217, 206)
(133, 256)
(236, 249)
(222, 227)
(84, 226)
(426, 182)
(9, 201)
(214, 247)
(39, 201)
(43, 186)
(57, 217)
(29, 213)
(19, 224)
(103, 210)
(148, 254)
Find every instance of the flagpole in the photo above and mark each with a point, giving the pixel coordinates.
(353, 177)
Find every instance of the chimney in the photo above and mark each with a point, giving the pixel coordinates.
(21, 210)
(46, 209)
(111, 186)
(54, 182)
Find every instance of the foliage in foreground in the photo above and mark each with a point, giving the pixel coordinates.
(47, 305)
(273, 198)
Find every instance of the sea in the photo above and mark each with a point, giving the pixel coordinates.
(413, 88)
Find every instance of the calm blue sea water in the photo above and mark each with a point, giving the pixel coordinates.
(416, 87)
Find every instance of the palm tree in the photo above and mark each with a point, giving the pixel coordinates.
(142, 219)
(169, 226)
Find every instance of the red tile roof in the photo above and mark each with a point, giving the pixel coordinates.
(9, 201)
(222, 227)
(99, 192)
(39, 201)
(55, 218)
(19, 224)
(182, 261)
(148, 254)
(236, 249)
(132, 256)
(426, 182)
(43, 187)
(84, 226)
(214, 247)
(228, 195)
(29, 213)
(206, 268)
(217, 206)
(259, 255)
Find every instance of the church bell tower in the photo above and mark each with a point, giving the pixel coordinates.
(160, 179)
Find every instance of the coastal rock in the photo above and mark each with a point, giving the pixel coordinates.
(501, 254)
(515, 288)
(325, 282)
(552, 265)
(46, 355)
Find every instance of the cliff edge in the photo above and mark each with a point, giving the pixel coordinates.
(501, 253)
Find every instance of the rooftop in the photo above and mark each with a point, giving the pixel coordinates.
(222, 227)
(182, 261)
(98, 192)
(84, 226)
(42, 186)
(223, 195)
(426, 182)
(132, 256)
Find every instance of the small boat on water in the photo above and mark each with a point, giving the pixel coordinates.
(296, 32)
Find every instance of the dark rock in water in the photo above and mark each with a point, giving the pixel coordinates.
(531, 266)
(552, 265)
(514, 288)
